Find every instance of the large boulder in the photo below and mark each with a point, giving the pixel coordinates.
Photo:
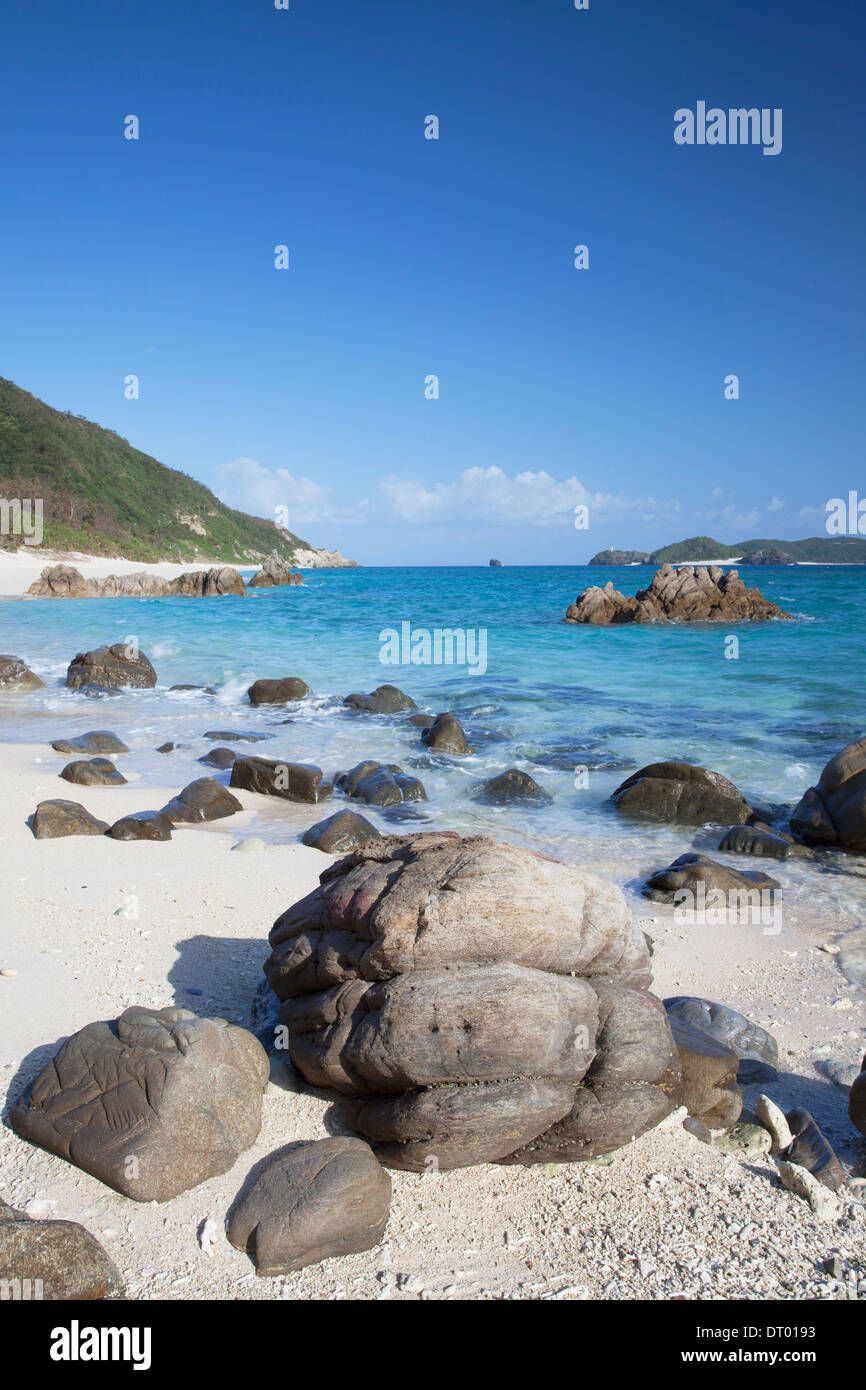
(483, 1003)
(380, 784)
(510, 786)
(385, 699)
(275, 571)
(857, 1101)
(16, 678)
(93, 772)
(212, 583)
(152, 1104)
(97, 741)
(53, 1260)
(277, 692)
(691, 594)
(314, 1201)
(445, 735)
(834, 811)
(291, 781)
(111, 668)
(204, 799)
(137, 585)
(52, 820)
(61, 581)
(681, 792)
(708, 1076)
(696, 880)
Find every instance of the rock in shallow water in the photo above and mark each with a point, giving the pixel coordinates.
(290, 781)
(54, 1260)
(339, 833)
(314, 1201)
(385, 699)
(509, 786)
(743, 839)
(151, 1104)
(52, 820)
(445, 735)
(380, 784)
(690, 593)
(681, 792)
(111, 668)
(277, 692)
(695, 881)
(834, 811)
(16, 677)
(219, 757)
(472, 993)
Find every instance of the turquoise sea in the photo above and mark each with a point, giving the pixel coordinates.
(579, 708)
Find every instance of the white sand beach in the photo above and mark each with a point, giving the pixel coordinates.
(92, 925)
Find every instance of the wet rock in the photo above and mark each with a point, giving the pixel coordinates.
(767, 844)
(207, 689)
(166, 748)
(98, 692)
(277, 692)
(385, 699)
(16, 677)
(510, 786)
(152, 1104)
(696, 881)
(708, 1084)
(233, 736)
(811, 1150)
(314, 1201)
(219, 757)
(834, 812)
(690, 594)
(52, 820)
(341, 832)
(445, 735)
(291, 781)
(112, 668)
(756, 1049)
(97, 741)
(204, 799)
(142, 825)
(857, 1101)
(54, 1260)
(380, 784)
(421, 721)
(93, 772)
(484, 1003)
(681, 792)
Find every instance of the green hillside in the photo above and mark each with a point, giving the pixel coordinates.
(103, 497)
(822, 550)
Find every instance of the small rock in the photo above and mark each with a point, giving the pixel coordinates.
(746, 1139)
(93, 772)
(824, 1203)
(253, 845)
(773, 1119)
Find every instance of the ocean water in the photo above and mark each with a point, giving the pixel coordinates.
(577, 707)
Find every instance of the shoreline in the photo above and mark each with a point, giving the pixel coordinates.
(200, 922)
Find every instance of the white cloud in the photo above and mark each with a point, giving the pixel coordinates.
(490, 495)
(250, 487)
(775, 504)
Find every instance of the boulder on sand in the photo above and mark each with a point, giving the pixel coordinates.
(380, 784)
(152, 1104)
(385, 699)
(277, 692)
(690, 594)
(204, 799)
(483, 1003)
(53, 1260)
(314, 1201)
(93, 772)
(708, 1082)
(16, 678)
(291, 781)
(341, 832)
(833, 813)
(696, 880)
(97, 741)
(52, 820)
(755, 1048)
(142, 825)
(445, 735)
(111, 668)
(681, 792)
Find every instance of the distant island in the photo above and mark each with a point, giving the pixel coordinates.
(817, 550)
(102, 496)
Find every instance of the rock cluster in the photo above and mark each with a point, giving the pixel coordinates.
(274, 572)
(482, 1003)
(64, 581)
(152, 1104)
(691, 594)
(833, 813)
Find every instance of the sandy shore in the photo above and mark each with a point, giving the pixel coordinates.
(91, 926)
(19, 568)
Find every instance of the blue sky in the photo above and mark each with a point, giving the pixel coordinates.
(409, 257)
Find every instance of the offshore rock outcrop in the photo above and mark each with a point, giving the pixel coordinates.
(691, 594)
(275, 571)
(481, 1003)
